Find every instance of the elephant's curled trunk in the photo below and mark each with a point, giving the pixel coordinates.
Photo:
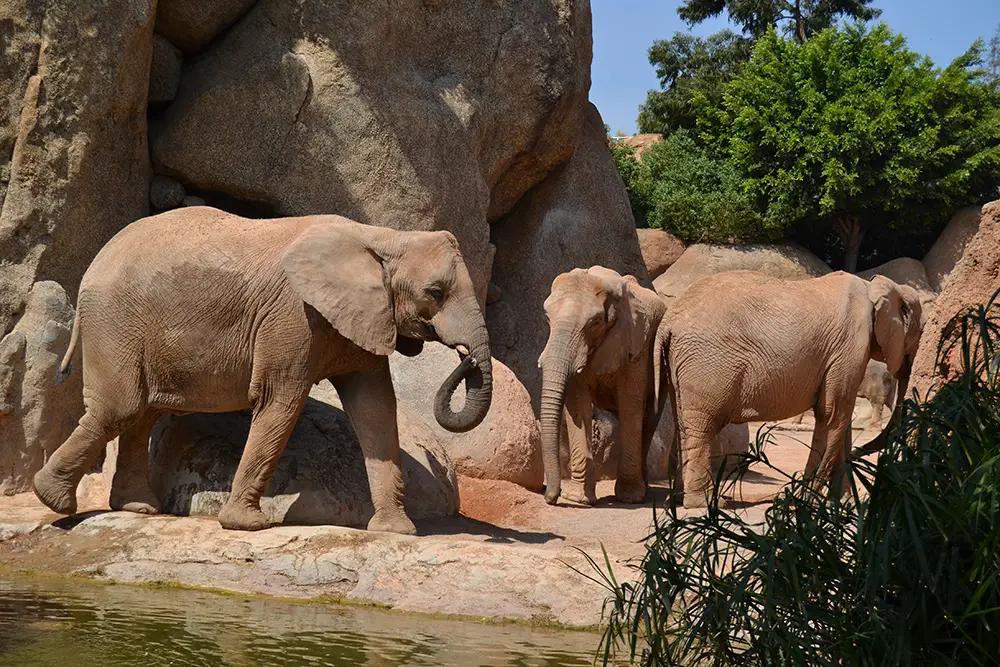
(477, 371)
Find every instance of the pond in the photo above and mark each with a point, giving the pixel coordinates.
(57, 623)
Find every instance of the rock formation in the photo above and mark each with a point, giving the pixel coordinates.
(972, 282)
(789, 261)
(36, 413)
(950, 246)
(74, 165)
(660, 250)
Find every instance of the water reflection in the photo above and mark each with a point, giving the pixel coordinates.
(47, 623)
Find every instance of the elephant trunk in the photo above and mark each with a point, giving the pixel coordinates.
(557, 366)
(477, 371)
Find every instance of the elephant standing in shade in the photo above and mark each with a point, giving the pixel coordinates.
(599, 353)
(197, 310)
(878, 386)
(742, 346)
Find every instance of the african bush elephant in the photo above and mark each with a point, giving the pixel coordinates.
(197, 310)
(742, 346)
(878, 386)
(599, 353)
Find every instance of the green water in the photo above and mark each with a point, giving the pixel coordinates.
(52, 623)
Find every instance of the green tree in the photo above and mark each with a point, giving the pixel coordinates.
(680, 187)
(852, 129)
(801, 18)
(687, 65)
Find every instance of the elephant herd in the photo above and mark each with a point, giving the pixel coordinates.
(198, 310)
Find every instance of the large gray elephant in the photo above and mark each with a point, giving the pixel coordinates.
(197, 310)
(599, 353)
(742, 346)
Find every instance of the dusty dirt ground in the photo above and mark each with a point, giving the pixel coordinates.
(508, 555)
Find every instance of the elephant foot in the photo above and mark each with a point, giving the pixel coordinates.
(139, 501)
(630, 493)
(235, 516)
(578, 492)
(394, 521)
(56, 493)
(701, 501)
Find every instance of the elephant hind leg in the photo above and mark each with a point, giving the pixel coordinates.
(55, 484)
(697, 438)
(130, 489)
(273, 421)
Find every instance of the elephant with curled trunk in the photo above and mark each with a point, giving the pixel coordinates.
(197, 310)
(599, 353)
(742, 346)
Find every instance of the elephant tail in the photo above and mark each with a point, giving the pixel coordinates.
(661, 359)
(66, 367)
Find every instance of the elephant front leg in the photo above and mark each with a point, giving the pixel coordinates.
(370, 403)
(272, 424)
(630, 484)
(579, 414)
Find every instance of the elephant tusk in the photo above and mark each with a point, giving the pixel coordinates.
(462, 350)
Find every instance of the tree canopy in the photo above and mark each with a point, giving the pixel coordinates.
(688, 66)
(801, 18)
(853, 129)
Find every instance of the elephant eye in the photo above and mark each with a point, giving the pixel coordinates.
(436, 293)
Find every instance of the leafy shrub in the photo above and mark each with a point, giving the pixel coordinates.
(903, 571)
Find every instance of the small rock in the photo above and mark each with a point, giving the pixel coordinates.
(165, 192)
(164, 72)
(191, 200)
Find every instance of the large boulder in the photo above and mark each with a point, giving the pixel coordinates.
(74, 165)
(433, 115)
(972, 282)
(640, 142)
(950, 246)
(790, 262)
(578, 217)
(191, 24)
(36, 414)
(505, 446)
(660, 250)
(321, 476)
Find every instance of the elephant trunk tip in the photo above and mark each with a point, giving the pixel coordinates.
(478, 384)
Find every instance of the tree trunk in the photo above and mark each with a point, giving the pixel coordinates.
(800, 24)
(852, 233)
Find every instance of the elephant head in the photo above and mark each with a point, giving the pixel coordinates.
(597, 323)
(897, 320)
(388, 291)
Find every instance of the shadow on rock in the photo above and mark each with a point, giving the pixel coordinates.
(321, 476)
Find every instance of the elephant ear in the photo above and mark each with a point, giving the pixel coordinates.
(890, 315)
(626, 339)
(333, 269)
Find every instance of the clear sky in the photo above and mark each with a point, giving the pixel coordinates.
(625, 29)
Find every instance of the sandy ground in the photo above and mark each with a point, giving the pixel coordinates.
(508, 555)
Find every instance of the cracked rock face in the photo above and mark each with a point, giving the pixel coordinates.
(430, 116)
(74, 166)
(36, 415)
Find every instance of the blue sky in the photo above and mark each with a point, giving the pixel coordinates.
(625, 29)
